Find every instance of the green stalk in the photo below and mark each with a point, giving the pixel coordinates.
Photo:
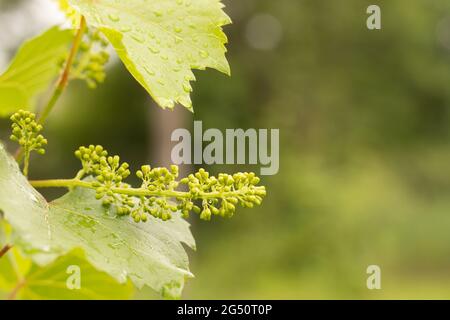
(61, 84)
(136, 192)
(5, 249)
(64, 78)
(26, 163)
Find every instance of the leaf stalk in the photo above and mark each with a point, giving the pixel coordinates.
(64, 78)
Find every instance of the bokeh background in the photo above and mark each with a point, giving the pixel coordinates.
(364, 145)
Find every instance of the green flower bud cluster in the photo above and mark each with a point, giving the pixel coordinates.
(158, 207)
(91, 60)
(156, 180)
(221, 195)
(109, 174)
(26, 132)
(159, 195)
(90, 158)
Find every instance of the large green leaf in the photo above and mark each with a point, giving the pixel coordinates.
(34, 66)
(160, 41)
(50, 282)
(149, 254)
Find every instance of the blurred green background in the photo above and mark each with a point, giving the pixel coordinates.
(364, 146)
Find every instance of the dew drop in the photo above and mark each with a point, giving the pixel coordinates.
(176, 69)
(178, 40)
(164, 57)
(125, 29)
(187, 87)
(123, 276)
(177, 29)
(161, 82)
(149, 71)
(179, 2)
(138, 38)
(113, 17)
(203, 54)
(158, 13)
(153, 50)
(98, 18)
(179, 61)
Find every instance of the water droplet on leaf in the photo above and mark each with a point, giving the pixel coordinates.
(187, 87)
(203, 54)
(125, 29)
(153, 49)
(138, 38)
(149, 71)
(113, 17)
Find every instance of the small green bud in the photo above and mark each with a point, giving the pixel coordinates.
(206, 214)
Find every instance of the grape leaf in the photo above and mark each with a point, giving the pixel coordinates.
(33, 67)
(148, 253)
(161, 41)
(50, 282)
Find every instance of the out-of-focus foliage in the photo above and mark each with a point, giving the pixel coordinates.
(365, 164)
(27, 281)
(33, 68)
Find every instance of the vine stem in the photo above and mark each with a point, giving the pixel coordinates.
(12, 295)
(64, 78)
(62, 82)
(137, 192)
(26, 162)
(5, 249)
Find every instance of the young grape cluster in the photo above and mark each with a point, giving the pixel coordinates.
(90, 63)
(26, 132)
(159, 195)
(161, 192)
(221, 195)
(109, 174)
